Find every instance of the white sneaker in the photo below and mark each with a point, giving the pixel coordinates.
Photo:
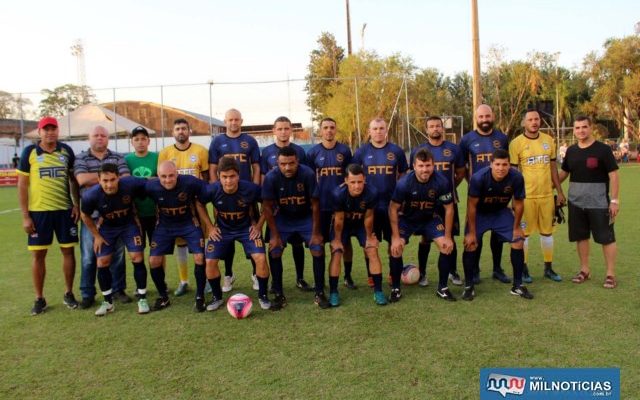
(143, 306)
(104, 308)
(455, 279)
(254, 279)
(227, 286)
(423, 281)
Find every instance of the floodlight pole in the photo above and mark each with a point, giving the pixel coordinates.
(161, 115)
(406, 98)
(477, 90)
(210, 109)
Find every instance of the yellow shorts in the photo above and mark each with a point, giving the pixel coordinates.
(538, 216)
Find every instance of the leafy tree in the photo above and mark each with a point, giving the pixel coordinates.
(10, 105)
(64, 98)
(324, 66)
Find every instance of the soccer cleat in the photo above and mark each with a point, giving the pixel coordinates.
(526, 278)
(280, 300)
(380, 298)
(199, 305)
(395, 296)
(445, 294)
(161, 303)
(87, 302)
(143, 306)
(303, 285)
(214, 304)
(39, 306)
(334, 299)
(69, 300)
(321, 301)
(104, 309)
(227, 284)
(501, 276)
(182, 289)
(424, 281)
(522, 292)
(254, 280)
(370, 282)
(348, 283)
(454, 278)
(266, 304)
(469, 293)
(551, 274)
(122, 297)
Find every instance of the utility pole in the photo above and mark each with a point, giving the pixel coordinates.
(477, 90)
(348, 29)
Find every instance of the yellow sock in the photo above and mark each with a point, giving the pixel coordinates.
(546, 243)
(181, 256)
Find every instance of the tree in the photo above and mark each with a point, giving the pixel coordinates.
(64, 98)
(10, 105)
(324, 67)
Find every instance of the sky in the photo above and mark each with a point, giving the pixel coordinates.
(152, 43)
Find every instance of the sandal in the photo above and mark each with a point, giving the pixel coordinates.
(610, 282)
(581, 277)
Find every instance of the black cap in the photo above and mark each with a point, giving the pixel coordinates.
(139, 129)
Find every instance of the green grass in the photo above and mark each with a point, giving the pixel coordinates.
(421, 347)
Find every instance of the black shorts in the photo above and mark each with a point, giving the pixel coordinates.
(48, 222)
(147, 225)
(594, 221)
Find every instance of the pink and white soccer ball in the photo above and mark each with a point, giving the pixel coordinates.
(239, 305)
(410, 274)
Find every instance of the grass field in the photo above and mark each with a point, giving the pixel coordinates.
(420, 348)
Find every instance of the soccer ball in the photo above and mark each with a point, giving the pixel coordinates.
(410, 274)
(239, 306)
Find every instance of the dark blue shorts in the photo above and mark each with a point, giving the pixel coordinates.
(455, 230)
(131, 237)
(500, 222)
(219, 250)
(48, 222)
(326, 217)
(432, 229)
(381, 225)
(352, 231)
(295, 229)
(164, 239)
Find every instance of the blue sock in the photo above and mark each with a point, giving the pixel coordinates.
(423, 256)
(469, 264)
(395, 264)
(157, 275)
(276, 274)
(201, 280)
(318, 273)
(140, 276)
(517, 261)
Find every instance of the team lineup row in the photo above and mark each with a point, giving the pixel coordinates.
(327, 195)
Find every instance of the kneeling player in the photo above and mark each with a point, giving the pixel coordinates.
(175, 197)
(490, 191)
(113, 200)
(354, 205)
(234, 201)
(412, 212)
(291, 207)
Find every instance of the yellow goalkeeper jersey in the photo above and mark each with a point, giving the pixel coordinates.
(533, 157)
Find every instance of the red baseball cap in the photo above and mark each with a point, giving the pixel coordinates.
(47, 121)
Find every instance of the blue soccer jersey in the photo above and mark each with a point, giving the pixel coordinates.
(269, 157)
(477, 149)
(495, 195)
(176, 208)
(291, 196)
(118, 209)
(447, 157)
(382, 167)
(354, 208)
(418, 200)
(244, 149)
(329, 165)
(233, 210)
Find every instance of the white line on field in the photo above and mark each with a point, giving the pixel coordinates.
(8, 211)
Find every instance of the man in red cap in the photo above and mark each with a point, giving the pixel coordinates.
(48, 196)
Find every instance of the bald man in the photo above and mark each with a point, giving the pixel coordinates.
(86, 167)
(175, 196)
(243, 148)
(477, 148)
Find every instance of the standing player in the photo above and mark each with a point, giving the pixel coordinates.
(48, 196)
(86, 168)
(189, 159)
(412, 212)
(383, 164)
(534, 153)
(291, 207)
(328, 159)
(113, 199)
(448, 161)
(476, 147)
(244, 149)
(143, 164)
(490, 191)
(269, 161)
(235, 202)
(354, 205)
(175, 197)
